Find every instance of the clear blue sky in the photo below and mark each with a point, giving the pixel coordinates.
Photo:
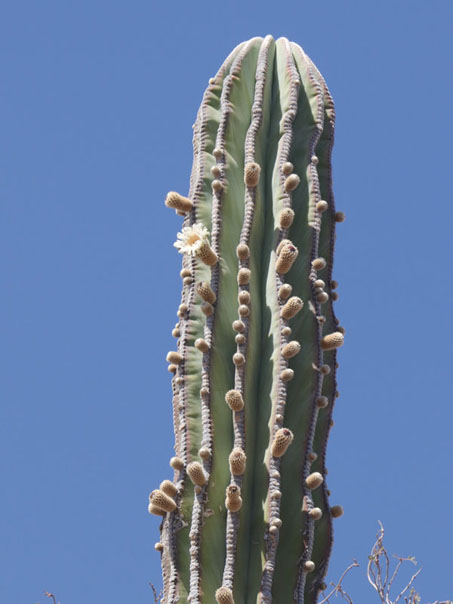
(97, 103)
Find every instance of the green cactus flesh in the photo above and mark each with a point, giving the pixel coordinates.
(268, 105)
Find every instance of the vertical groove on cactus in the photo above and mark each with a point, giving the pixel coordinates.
(232, 527)
(255, 375)
(280, 386)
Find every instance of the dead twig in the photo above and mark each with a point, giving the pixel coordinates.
(338, 587)
(378, 570)
(157, 596)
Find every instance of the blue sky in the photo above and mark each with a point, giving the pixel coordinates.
(97, 100)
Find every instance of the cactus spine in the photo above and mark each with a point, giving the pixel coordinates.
(254, 373)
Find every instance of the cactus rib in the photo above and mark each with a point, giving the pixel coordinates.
(281, 386)
(198, 506)
(250, 198)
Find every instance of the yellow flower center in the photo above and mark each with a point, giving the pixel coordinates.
(193, 238)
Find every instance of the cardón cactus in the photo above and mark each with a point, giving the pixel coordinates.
(254, 370)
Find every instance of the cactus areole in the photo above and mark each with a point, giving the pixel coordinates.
(256, 340)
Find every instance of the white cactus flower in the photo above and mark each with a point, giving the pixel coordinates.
(192, 238)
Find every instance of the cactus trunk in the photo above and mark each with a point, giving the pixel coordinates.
(256, 338)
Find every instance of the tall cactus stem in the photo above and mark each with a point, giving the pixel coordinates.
(254, 368)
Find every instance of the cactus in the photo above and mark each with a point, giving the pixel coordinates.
(254, 373)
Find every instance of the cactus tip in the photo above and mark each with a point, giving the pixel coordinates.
(286, 218)
(155, 511)
(282, 439)
(224, 595)
(244, 297)
(286, 258)
(244, 276)
(178, 202)
(168, 488)
(196, 473)
(315, 513)
(332, 340)
(234, 400)
(206, 292)
(238, 326)
(174, 357)
(285, 291)
(237, 461)
(336, 511)
(242, 251)
(201, 345)
(244, 310)
(217, 185)
(238, 359)
(233, 500)
(292, 182)
(161, 500)
(287, 375)
(252, 174)
(291, 349)
(322, 402)
(176, 463)
(182, 310)
(322, 206)
(318, 264)
(207, 308)
(204, 453)
(291, 308)
(314, 480)
(287, 168)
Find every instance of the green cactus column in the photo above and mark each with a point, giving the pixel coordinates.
(246, 518)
